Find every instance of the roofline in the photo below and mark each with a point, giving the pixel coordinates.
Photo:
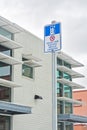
(18, 27)
(81, 90)
(69, 59)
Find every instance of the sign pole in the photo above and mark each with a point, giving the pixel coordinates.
(52, 44)
(54, 95)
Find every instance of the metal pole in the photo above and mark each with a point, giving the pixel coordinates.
(54, 93)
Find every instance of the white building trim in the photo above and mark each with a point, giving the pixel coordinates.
(69, 60)
(8, 83)
(9, 60)
(71, 72)
(9, 43)
(70, 100)
(70, 83)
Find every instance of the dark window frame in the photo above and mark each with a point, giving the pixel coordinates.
(7, 77)
(6, 33)
(5, 93)
(31, 75)
(24, 65)
(4, 49)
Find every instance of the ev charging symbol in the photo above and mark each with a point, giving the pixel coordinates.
(52, 30)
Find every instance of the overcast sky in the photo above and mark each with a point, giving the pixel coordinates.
(33, 15)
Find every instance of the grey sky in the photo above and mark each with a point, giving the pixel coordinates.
(34, 14)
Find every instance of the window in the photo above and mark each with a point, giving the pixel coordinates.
(59, 90)
(68, 108)
(62, 62)
(59, 74)
(64, 110)
(5, 50)
(68, 126)
(59, 61)
(27, 71)
(67, 64)
(4, 122)
(6, 33)
(67, 91)
(5, 93)
(60, 126)
(5, 71)
(66, 76)
(60, 107)
(65, 125)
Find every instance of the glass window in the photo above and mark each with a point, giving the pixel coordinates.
(59, 74)
(60, 107)
(59, 90)
(66, 76)
(68, 126)
(67, 64)
(5, 50)
(6, 33)
(4, 122)
(67, 91)
(68, 108)
(5, 93)
(60, 126)
(59, 61)
(27, 71)
(5, 71)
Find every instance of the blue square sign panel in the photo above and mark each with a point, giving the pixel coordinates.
(52, 37)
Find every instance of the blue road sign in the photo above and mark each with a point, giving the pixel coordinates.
(52, 37)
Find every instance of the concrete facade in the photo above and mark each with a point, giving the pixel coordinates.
(81, 109)
(41, 117)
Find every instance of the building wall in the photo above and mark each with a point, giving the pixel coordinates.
(80, 109)
(82, 96)
(80, 127)
(41, 117)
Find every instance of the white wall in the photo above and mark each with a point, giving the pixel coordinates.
(41, 117)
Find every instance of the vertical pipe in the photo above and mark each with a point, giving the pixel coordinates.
(54, 94)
